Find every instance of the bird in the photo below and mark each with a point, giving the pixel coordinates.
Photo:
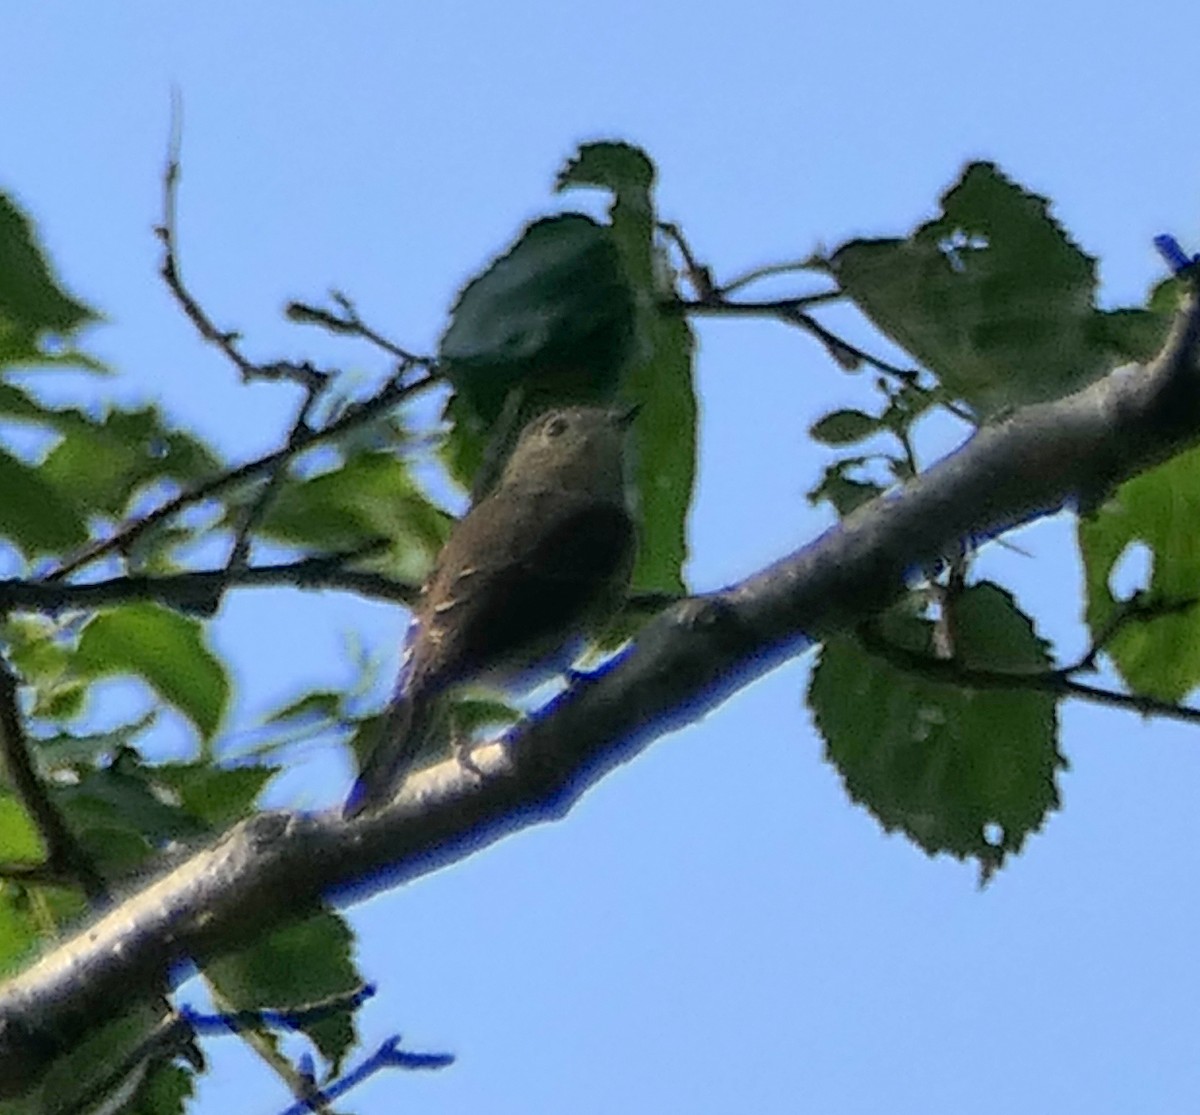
(542, 559)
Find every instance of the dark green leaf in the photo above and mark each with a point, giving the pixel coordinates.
(1159, 509)
(166, 650)
(660, 376)
(992, 296)
(65, 749)
(124, 796)
(300, 965)
(320, 704)
(91, 1060)
(370, 496)
(843, 427)
(844, 492)
(165, 1091)
(556, 306)
(99, 464)
(969, 772)
(32, 303)
(34, 513)
(217, 796)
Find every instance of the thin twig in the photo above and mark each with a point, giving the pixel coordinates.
(64, 854)
(291, 1018)
(792, 311)
(1058, 682)
(388, 397)
(308, 377)
(699, 275)
(770, 270)
(254, 514)
(351, 324)
(388, 1055)
(1138, 609)
(201, 590)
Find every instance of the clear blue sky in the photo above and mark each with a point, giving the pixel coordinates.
(715, 929)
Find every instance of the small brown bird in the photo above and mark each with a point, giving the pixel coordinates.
(543, 557)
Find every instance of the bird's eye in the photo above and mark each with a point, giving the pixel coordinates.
(556, 426)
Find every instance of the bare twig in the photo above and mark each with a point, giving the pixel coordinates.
(351, 324)
(770, 270)
(253, 515)
(793, 311)
(308, 377)
(64, 854)
(699, 275)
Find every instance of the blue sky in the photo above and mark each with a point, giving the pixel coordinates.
(715, 928)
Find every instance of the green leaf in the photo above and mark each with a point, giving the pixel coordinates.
(845, 492)
(66, 749)
(34, 514)
(165, 1091)
(166, 650)
(124, 797)
(843, 427)
(554, 314)
(660, 378)
(18, 930)
(302, 964)
(32, 303)
(320, 704)
(100, 464)
(1159, 508)
(968, 772)
(19, 838)
(370, 496)
(91, 1060)
(992, 296)
(217, 796)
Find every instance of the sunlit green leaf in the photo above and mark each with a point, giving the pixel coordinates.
(1158, 509)
(166, 650)
(19, 838)
(370, 496)
(218, 796)
(34, 513)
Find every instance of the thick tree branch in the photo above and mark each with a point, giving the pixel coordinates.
(688, 660)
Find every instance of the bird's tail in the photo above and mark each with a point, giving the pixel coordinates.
(401, 738)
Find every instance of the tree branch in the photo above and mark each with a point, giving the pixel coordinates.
(65, 856)
(201, 590)
(697, 653)
(379, 404)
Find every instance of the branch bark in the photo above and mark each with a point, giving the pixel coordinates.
(688, 660)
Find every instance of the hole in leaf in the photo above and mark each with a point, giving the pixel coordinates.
(955, 247)
(993, 834)
(1131, 572)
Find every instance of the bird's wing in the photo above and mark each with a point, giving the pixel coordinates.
(520, 576)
